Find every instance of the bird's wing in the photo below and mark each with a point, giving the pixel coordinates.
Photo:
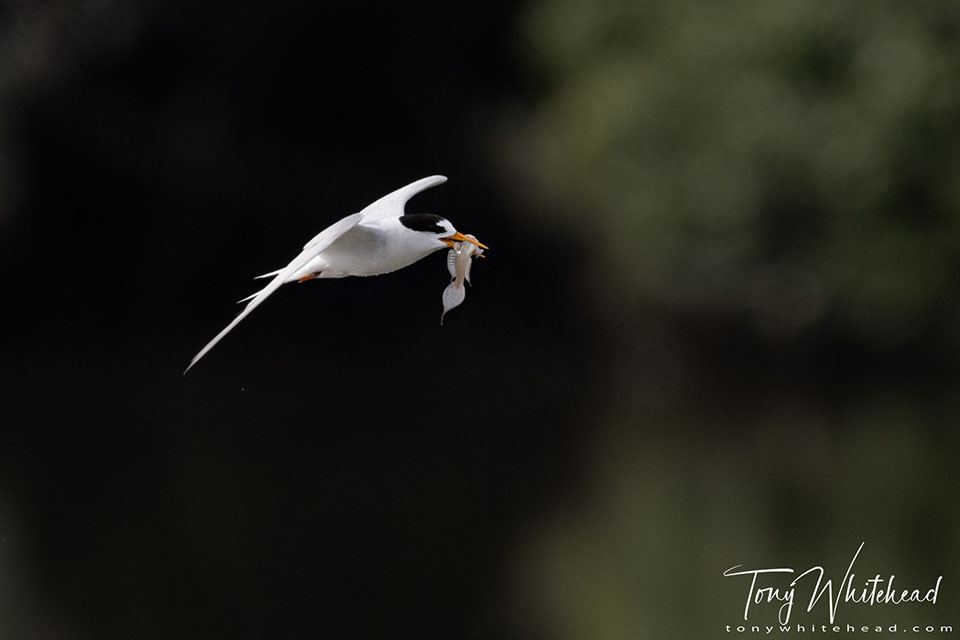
(313, 248)
(392, 204)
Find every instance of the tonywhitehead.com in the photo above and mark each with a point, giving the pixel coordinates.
(849, 628)
(771, 591)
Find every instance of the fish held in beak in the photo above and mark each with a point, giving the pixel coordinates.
(459, 237)
(458, 264)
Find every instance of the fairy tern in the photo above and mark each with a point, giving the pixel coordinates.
(379, 239)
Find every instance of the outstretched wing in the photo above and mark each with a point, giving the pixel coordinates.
(392, 204)
(313, 248)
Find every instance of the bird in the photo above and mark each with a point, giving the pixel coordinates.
(379, 239)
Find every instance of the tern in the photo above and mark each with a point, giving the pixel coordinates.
(379, 239)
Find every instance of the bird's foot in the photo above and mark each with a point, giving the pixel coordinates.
(315, 274)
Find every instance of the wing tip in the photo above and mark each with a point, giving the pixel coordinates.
(194, 361)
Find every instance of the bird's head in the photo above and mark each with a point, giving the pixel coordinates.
(437, 228)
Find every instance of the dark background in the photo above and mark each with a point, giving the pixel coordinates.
(717, 325)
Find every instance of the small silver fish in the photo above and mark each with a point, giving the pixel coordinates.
(458, 264)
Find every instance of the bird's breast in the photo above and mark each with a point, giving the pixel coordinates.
(370, 251)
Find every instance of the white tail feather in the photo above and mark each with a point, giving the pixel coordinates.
(319, 244)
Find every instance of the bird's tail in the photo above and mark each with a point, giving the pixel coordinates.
(254, 301)
(256, 293)
(323, 240)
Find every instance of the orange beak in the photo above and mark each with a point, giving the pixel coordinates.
(459, 237)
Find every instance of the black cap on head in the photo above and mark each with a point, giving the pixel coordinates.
(428, 222)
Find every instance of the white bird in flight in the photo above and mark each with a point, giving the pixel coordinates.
(379, 239)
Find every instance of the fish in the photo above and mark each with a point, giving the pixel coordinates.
(458, 264)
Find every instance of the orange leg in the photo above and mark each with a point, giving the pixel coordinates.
(310, 277)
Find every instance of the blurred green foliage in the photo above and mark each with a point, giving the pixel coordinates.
(788, 167)
(669, 500)
(794, 162)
